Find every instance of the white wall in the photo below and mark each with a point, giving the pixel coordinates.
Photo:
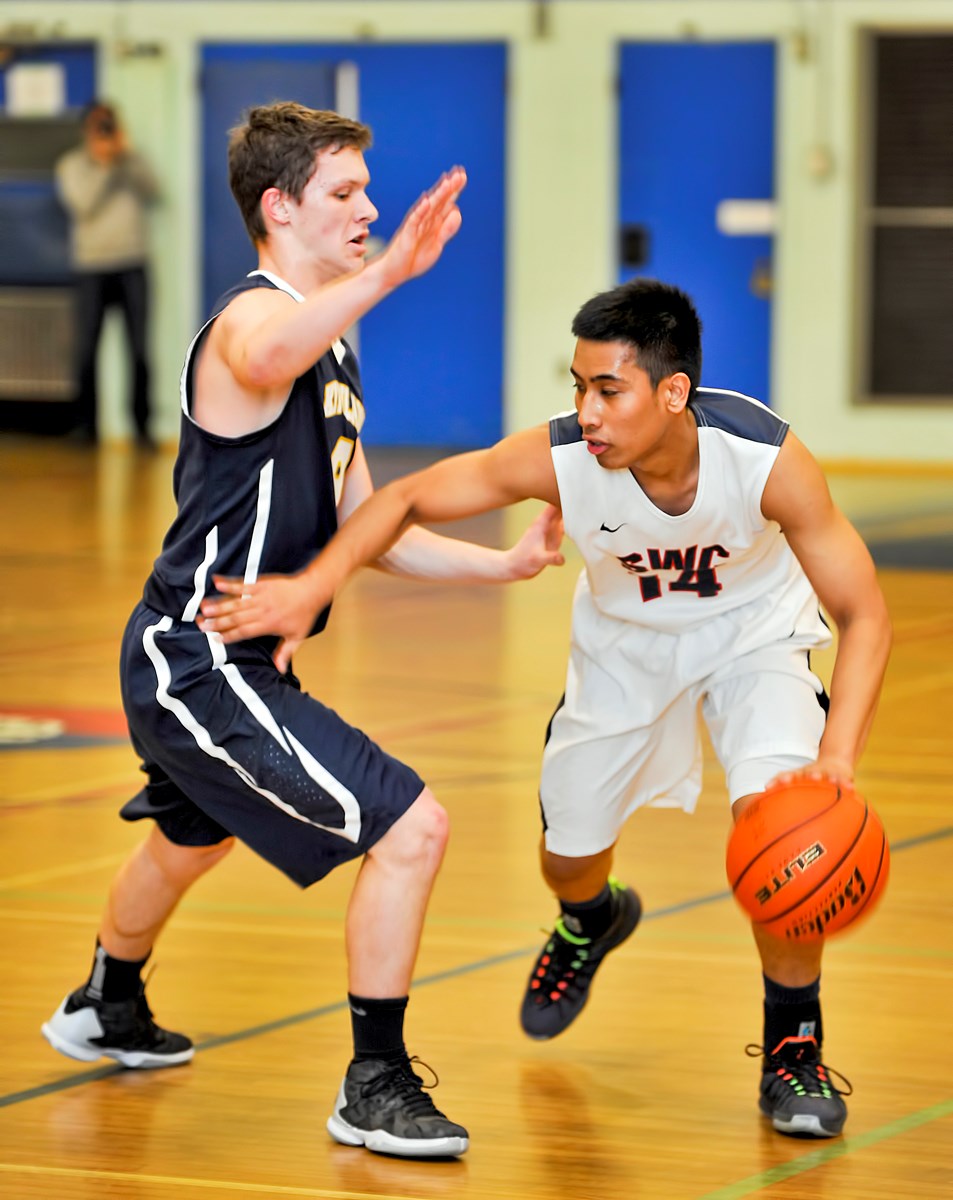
(561, 174)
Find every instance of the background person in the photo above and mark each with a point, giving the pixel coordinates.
(107, 188)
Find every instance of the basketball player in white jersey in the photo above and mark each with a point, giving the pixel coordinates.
(709, 538)
(269, 460)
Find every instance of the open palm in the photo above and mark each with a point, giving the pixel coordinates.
(425, 230)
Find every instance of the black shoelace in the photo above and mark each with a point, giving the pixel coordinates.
(409, 1086)
(805, 1068)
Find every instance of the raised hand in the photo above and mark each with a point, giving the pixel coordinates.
(425, 230)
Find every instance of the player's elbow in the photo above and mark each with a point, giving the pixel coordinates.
(411, 502)
(867, 613)
(262, 370)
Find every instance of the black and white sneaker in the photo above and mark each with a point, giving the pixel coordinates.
(797, 1092)
(558, 986)
(383, 1105)
(88, 1029)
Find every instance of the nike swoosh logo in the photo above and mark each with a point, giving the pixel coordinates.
(603, 528)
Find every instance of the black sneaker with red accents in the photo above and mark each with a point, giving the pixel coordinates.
(797, 1091)
(558, 986)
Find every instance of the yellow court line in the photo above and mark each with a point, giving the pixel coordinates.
(889, 467)
(178, 1181)
(77, 868)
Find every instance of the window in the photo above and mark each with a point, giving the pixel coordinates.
(907, 221)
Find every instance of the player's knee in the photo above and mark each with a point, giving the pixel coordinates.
(559, 870)
(431, 830)
(184, 864)
(742, 803)
(418, 840)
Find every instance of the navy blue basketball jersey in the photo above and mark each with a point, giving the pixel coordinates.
(266, 502)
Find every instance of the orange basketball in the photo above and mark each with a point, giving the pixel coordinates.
(807, 858)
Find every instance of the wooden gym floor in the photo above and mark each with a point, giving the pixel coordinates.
(650, 1095)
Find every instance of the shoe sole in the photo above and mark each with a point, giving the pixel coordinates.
(624, 935)
(803, 1126)
(134, 1059)
(382, 1142)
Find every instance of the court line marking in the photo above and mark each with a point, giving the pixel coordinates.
(819, 1158)
(222, 1185)
(735, 1191)
(240, 1035)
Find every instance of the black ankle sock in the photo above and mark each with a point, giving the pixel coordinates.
(590, 918)
(791, 1012)
(113, 979)
(378, 1027)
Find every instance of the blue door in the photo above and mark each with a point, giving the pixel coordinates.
(696, 130)
(431, 353)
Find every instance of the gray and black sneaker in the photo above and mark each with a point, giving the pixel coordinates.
(383, 1105)
(558, 987)
(88, 1029)
(797, 1092)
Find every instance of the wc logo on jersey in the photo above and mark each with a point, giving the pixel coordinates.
(339, 400)
(695, 570)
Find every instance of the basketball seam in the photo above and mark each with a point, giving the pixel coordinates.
(787, 833)
(804, 899)
(871, 895)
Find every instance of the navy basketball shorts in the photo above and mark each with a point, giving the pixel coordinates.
(233, 748)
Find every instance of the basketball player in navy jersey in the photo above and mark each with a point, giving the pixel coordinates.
(709, 536)
(269, 460)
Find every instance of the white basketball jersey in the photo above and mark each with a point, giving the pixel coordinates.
(670, 574)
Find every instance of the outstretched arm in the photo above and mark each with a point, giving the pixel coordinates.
(839, 566)
(424, 555)
(518, 468)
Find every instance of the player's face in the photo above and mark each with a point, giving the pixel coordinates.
(334, 216)
(622, 417)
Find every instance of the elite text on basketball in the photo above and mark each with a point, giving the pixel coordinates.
(796, 866)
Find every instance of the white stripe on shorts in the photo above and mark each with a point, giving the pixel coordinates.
(181, 712)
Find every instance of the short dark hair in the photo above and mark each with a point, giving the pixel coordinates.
(101, 109)
(276, 147)
(656, 319)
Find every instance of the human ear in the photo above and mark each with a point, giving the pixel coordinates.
(274, 204)
(676, 389)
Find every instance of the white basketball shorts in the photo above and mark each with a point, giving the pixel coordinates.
(626, 735)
